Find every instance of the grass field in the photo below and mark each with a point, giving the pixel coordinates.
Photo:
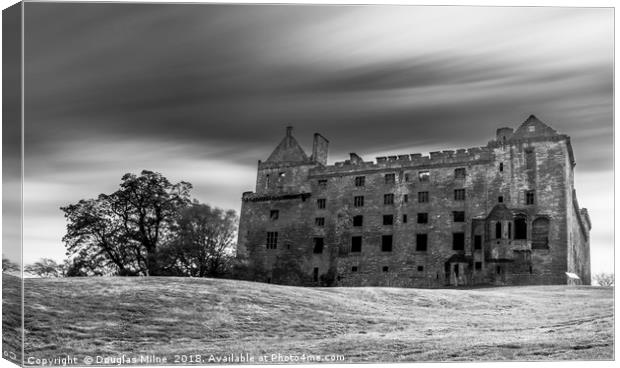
(168, 316)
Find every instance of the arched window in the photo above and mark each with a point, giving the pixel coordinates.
(498, 230)
(540, 233)
(520, 227)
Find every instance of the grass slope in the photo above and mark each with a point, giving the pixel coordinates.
(166, 316)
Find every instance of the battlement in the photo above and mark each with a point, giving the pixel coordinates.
(436, 158)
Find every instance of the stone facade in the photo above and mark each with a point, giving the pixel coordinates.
(502, 214)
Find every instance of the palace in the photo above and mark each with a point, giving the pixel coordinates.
(502, 214)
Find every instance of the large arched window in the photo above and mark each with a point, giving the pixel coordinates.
(540, 233)
(520, 227)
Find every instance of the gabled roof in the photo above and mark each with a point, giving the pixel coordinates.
(532, 127)
(288, 150)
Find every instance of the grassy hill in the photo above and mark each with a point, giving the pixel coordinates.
(167, 316)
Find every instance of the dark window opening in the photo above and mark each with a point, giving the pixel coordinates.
(323, 183)
(520, 228)
(386, 243)
(272, 240)
(318, 246)
(420, 268)
(356, 244)
(459, 173)
(498, 269)
(510, 230)
(388, 198)
(406, 198)
(388, 219)
(404, 219)
(423, 218)
(501, 166)
(477, 242)
(478, 265)
(531, 269)
(354, 269)
(315, 274)
(390, 178)
(319, 221)
(274, 214)
(421, 241)
(500, 199)
(358, 220)
(358, 201)
(424, 176)
(498, 230)
(459, 216)
(456, 270)
(406, 177)
(422, 197)
(267, 181)
(385, 268)
(360, 181)
(529, 197)
(459, 194)
(458, 241)
(320, 203)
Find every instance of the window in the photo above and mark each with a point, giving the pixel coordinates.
(500, 199)
(388, 198)
(386, 243)
(420, 268)
(272, 240)
(358, 201)
(459, 194)
(501, 166)
(358, 220)
(510, 230)
(423, 218)
(421, 242)
(315, 274)
(319, 221)
(520, 228)
(323, 183)
(388, 220)
(354, 269)
(424, 176)
(477, 242)
(498, 230)
(356, 244)
(318, 246)
(385, 269)
(530, 158)
(529, 197)
(458, 216)
(274, 214)
(531, 128)
(404, 219)
(498, 270)
(320, 203)
(390, 178)
(406, 177)
(405, 198)
(422, 197)
(458, 241)
(360, 181)
(267, 181)
(478, 265)
(459, 173)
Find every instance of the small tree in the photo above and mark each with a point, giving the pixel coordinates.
(604, 279)
(8, 265)
(46, 267)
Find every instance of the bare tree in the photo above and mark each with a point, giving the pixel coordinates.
(604, 279)
(8, 265)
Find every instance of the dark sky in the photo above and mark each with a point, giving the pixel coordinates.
(201, 92)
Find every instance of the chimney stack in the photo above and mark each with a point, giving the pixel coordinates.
(319, 149)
